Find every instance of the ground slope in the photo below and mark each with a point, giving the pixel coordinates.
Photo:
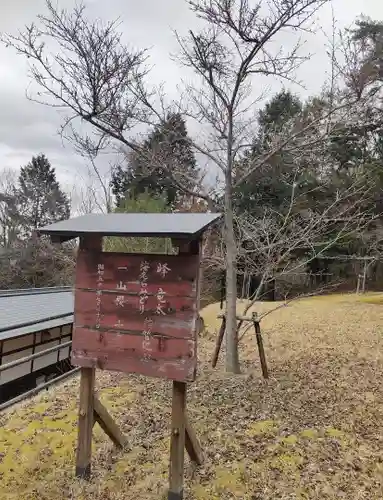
(313, 431)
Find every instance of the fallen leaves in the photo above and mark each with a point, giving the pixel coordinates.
(313, 431)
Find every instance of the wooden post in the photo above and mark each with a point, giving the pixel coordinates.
(87, 381)
(261, 350)
(218, 344)
(177, 442)
(85, 423)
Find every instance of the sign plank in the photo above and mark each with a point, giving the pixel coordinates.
(124, 270)
(136, 313)
(122, 313)
(156, 347)
(181, 369)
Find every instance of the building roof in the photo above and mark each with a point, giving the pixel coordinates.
(177, 225)
(32, 310)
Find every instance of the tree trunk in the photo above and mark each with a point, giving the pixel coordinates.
(232, 359)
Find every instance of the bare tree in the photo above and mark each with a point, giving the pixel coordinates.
(83, 67)
(241, 41)
(93, 193)
(278, 246)
(282, 244)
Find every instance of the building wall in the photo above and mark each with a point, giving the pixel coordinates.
(32, 343)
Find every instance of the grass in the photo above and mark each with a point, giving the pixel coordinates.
(313, 431)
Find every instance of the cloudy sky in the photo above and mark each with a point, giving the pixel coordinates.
(27, 128)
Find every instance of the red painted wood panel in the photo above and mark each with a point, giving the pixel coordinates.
(179, 320)
(180, 324)
(158, 347)
(183, 370)
(123, 270)
(137, 313)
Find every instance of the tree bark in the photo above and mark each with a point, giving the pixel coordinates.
(232, 359)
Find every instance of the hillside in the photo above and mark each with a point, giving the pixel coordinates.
(313, 431)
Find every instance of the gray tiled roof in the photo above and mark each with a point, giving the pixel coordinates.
(32, 310)
(177, 225)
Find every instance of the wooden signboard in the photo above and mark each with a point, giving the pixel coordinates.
(137, 313)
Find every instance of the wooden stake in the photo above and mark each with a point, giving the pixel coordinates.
(261, 350)
(223, 283)
(219, 342)
(358, 284)
(107, 424)
(248, 287)
(192, 444)
(364, 277)
(177, 442)
(243, 285)
(85, 423)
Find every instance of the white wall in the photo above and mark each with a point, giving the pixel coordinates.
(10, 345)
(27, 340)
(67, 330)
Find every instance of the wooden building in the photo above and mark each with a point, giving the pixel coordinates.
(32, 321)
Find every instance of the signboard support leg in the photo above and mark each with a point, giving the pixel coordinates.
(192, 444)
(92, 411)
(107, 424)
(182, 436)
(177, 441)
(85, 423)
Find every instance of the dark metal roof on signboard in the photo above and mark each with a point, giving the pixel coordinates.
(32, 310)
(177, 225)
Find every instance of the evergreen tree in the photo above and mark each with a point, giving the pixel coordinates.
(282, 107)
(357, 148)
(368, 39)
(269, 185)
(167, 145)
(40, 200)
(141, 203)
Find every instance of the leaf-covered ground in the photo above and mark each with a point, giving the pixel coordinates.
(313, 431)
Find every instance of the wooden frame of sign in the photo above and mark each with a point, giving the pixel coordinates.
(137, 314)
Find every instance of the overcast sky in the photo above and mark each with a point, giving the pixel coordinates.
(27, 128)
